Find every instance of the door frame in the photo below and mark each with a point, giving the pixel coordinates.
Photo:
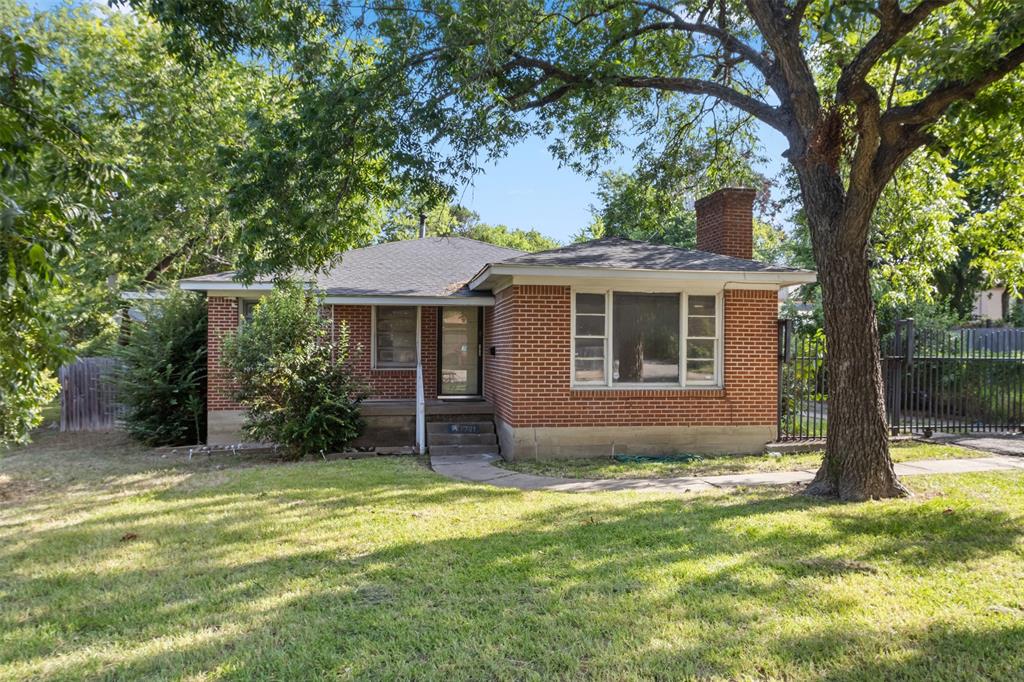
(479, 354)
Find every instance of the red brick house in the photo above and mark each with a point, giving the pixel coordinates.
(607, 346)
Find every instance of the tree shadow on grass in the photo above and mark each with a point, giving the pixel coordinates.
(319, 571)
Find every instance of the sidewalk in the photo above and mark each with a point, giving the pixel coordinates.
(480, 469)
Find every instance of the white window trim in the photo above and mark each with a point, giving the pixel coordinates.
(607, 336)
(242, 303)
(608, 384)
(373, 340)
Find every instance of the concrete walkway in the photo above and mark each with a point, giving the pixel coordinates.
(480, 469)
(1000, 444)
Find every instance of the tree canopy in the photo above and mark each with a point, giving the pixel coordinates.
(170, 130)
(402, 222)
(50, 180)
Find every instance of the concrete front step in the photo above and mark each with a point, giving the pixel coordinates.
(444, 427)
(448, 450)
(462, 439)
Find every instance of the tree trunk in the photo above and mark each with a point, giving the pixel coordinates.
(857, 465)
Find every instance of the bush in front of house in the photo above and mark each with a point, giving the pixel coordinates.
(290, 366)
(162, 381)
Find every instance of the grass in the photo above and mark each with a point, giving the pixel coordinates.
(118, 563)
(606, 467)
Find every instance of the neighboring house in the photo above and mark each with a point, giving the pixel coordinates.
(607, 346)
(993, 304)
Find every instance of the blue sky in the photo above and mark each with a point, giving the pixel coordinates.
(527, 189)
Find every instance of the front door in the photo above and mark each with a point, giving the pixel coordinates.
(460, 352)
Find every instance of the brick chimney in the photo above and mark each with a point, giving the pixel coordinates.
(725, 222)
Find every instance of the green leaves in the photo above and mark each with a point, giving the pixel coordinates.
(402, 222)
(291, 368)
(46, 166)
(163, 380)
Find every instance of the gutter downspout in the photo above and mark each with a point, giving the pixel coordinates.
(421, 411)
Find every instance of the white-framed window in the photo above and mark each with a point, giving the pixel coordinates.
(590, 332)
(703, 338)
(631, 339)
(246, 306)
(394, 337)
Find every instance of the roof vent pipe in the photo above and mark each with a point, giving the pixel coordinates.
(423, 225)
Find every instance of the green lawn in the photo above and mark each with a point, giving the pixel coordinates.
(116, 563)
(606, 467)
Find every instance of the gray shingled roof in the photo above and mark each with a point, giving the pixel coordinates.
(626, 254)
(434, 266)
(442, 266)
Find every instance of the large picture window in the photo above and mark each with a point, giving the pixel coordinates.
(628, 339)
(394, 337)
(645, 338)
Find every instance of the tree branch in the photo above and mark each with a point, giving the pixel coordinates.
(728, 40)
(695, 86)
(894, 24)
(691, 86)
(797, 91)
(928, 109)
(796, 15)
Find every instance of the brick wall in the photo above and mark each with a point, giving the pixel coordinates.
(222, 315)
(498, 367)
(390, 384)
(383, 383)
(725, 222)
(529, 377)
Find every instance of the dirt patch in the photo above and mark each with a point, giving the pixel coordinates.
(13, 490)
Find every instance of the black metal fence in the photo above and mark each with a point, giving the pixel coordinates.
(956, 381)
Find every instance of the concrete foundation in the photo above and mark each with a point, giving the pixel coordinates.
(389, 423)
(605, 441)
(224, 427)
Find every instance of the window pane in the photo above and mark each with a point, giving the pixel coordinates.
(701, 326)
(702, 305)
(702, 350)
(590, 325)
(590, 348)
(700, 371)
(589, 360)
(645, 338)
(590, 303)
(396, 337)
(589, 371)
(248, 307)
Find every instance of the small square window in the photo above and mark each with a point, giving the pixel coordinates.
(247, 307)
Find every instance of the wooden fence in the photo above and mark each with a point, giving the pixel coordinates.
(88, 395)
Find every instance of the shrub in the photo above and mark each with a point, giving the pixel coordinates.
(162, 382)
(292, 375)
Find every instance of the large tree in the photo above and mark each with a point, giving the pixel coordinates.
(50, 178)
(172, 131)
(855, 88)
